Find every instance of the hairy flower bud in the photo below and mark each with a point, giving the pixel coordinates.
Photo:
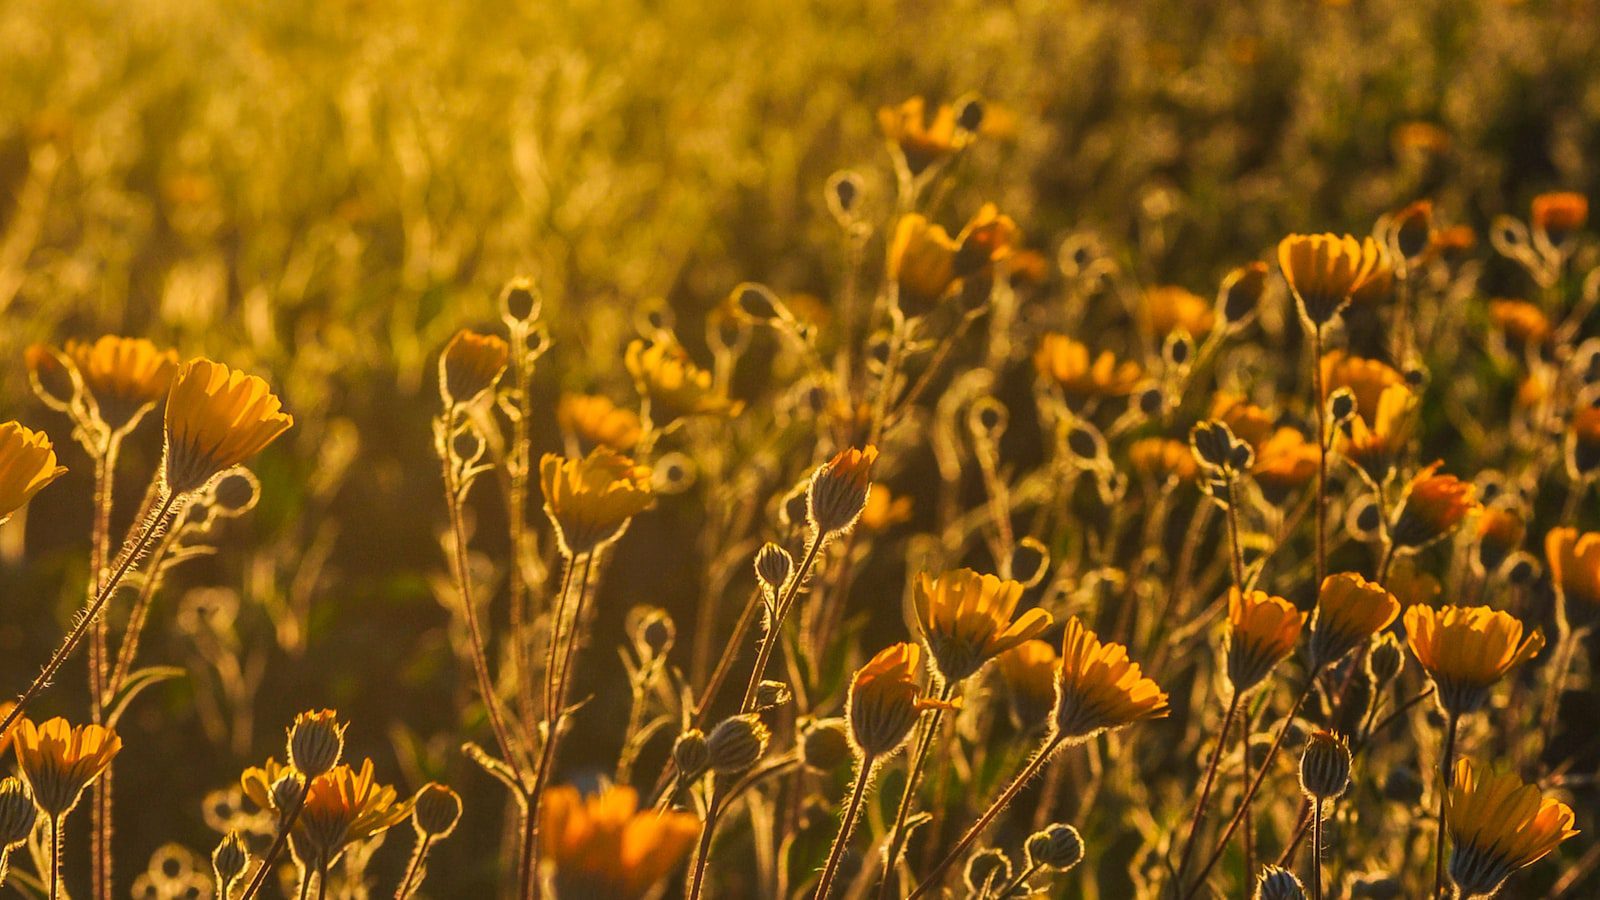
(1058, 847)
(736, 744)
(316, 741)
(1325, 766)
(436, 810)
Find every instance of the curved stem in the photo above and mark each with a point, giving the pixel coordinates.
(847, 826)
(1011, 888)
(1446, 763)
(1205, 787)
(131, 555)
(1052, 744)
(908, 796)
(418, 856)
(769, 641)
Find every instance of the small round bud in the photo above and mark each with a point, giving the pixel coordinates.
(825, 744)
(230, 859)
(1150, 401)
(758, 302)
(17, 812)
(771, 694)
(1522, 569)
(690, 753)
(236, 492)
(1386, 660)
(652, 630)
(436, 811)
(1058, 847)
(1325, 766)
(1240, 294)
(316, 741)
(774, 566)
(520, 302)
(988, 419)
(986, 869)
(287, 789)
(736, 744)
(838, 491)
(1275, 883)
(1085, 443)
(1178, 349)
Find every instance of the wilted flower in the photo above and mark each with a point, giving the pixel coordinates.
(1467, 650)
(886, 699)
(27, 464)
(1262, 632)
(1432, 507)
(1498, 825)
(673, 385)
(839, 489)
(965, 620)
(1099, 688)
(1574, 562)
(605, 846)
(124, 376)
(59, 760)
(591, 500)
(1066, 362)
(594, 419)
(1350, 610)
(470, 366)
(1323, 270)
(217, 418)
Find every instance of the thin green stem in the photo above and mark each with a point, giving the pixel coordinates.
(1205, 787)
(1446, 763)
(769, 641)
(847, 826)
(1316, 849)
(702, 855)
(55, 857)
(418, 857)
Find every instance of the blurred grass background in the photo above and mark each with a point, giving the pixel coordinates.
(324, 191)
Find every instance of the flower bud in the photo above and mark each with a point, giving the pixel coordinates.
(1029, 562)
(230, 859)
(1240, 294)
(736, 744)
(653, 631)
(1386, 660)
(17, 812)
(825, 744)
(520, 302)
(1058, 847)
(1275, 883)
(316, 741)
(844, 194)
(771, 694)
(54, 377)
(286, 791)
(1325, 766)
(690, 753)
(236, 492)
(774, 565)
(435, 811)
(838, 491)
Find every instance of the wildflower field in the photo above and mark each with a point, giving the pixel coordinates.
(854, 451)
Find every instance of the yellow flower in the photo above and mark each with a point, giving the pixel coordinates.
(1500, 531)
(1284, 462)
(1410, 584)
(1248, 422)
(919, 139)
(1066, 362)
(590, 500)
(1262, 632)
(1418, 138)
(1162, 459)
(1323, 270)
(1098, 687)
(1367, 379)
(605, 846)
(216, 419)
(1350, 610)
(672, 384)
(1029, 670)
(1558, 214)
(839, 489)
(1378, 286)
(1583, 442)
(1169, 307)
(596, 420)
(257, 783)
(1498, 825)
(344, 806)
(125, 377)
(1373, 445)
(1574, 562)
(885, 699)
(926, 264)
(27, 464)
(470, 365)
(965, 620)
(59, 760)
(1467, 649)
(884, 509)
(1432, 507)
(1522, 322)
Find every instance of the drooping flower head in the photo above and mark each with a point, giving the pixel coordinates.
(603, 845)
(1497, 825)
(125, 377)
(1323, 270)
(1350, 610)
(1467, 649)
(470, 366)
(59, 760)
(217, 418)
(1099, 688)
(838, 490)
(1432, 507)
(1574, 562)
(1499, 532)
(27, 464)
(673, 385)
(1262, 632)
(885, 700)
(344, 806)
(590, 500)
(965, 620)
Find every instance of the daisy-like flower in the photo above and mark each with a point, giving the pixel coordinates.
(595, 420)
(605, 846)
(27, 464)
(673, 385)
(1168, 308)
(839, 490)
(1029, 671)
(1574, 562)
(1099, 688)
(1373, 445)
(884, 509)
(59, 760)
(1366, 378)
(1497, 825)
(965, 620)
(217, 418)
(1433, 506)
(885, 700)
(1162, 460)
(470, 366)
(1067, 363)
(344, 806)
(1350, 610)
(1285, 461)
(1557, 215)
(1262, 632)
(590, 500)
(1323, 270)
(1248, 422)
(926, 264)
(1467, 649)
(125, 377)
(918, 138)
